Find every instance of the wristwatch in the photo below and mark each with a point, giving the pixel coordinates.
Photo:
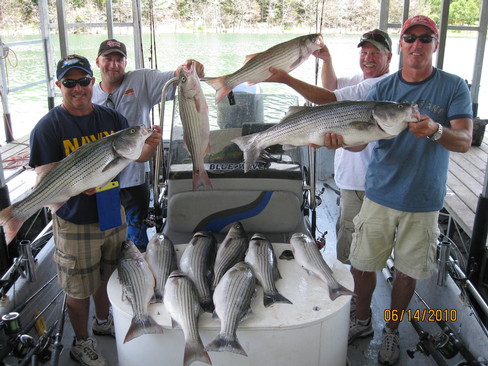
(437, 135)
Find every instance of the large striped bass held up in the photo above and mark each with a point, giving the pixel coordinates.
(91, 165)
(357, 122)
(232, 298)
(182, 302)
(308, 256)
(138, 286)
(193, 110)
(286, 56)
(161, 258)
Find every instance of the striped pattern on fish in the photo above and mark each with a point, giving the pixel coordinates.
(138, 286)
(231, 251)
(91, 165)
(232, 297)
(193, 110)
(358, 122)
(308, 256)
(197, 262)
(262, 259)
(182, 302)
(161, 258)
(286, 56)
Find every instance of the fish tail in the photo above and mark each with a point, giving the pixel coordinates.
(11, 223)
(248, 147)
(138, 328)
(194, 351)
(335, 292)
(200, 179)
(219, 84)
(270, 299)
(222, 343)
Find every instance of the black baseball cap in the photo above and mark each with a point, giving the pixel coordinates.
(112, 45)
(377, 38)
(73, 62)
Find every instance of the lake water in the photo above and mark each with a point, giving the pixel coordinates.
(220, 53)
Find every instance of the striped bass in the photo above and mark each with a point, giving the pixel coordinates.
(286, 56)
(262, 260)
(308, 256)
(231, 251)
(197, 262)
(194, 118)
(358, 123)
(138, 286)
(232, 297)
(161, 258)
(182, 302)
(92, 165)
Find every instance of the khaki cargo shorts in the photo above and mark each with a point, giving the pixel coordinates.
(411, 235)
(85, 256)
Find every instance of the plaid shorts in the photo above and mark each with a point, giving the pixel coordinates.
(85, 256)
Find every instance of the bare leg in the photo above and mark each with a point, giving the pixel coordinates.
(401, 294)
(78, 310)
(364, 285)
(102, 302)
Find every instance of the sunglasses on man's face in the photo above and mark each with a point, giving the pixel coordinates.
(71, 83)
(424, 38)
(375, 37)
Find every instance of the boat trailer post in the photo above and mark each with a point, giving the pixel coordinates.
(158, 160)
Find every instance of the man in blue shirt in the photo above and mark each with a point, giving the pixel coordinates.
(406, 180)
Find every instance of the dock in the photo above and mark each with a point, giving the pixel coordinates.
(465, 184)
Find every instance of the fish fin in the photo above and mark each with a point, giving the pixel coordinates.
(194, 351)
(55, 206)
(360, 125)
(250, 57)
(270, 299)
(146, 326)
(111, 164)
(11, 224)
(288, 147)
(251, 153)
(215, 315)
(222, 343)
(200, 179)
(200, 106)
(220, 86)
(42, 171)
(295, 108)
(335, 292)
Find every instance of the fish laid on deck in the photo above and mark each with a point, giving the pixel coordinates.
(231, 251)
(183, 304)
(262, 260)
(92, 165)
(138, 283)
(286, 56)
(197, 261)
(161, 258)
(308, 256)
(357, 122)
(194, 118)
(232, 298)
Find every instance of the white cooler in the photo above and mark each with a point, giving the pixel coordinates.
(311, 331)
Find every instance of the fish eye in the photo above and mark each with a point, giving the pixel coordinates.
(183, 79)
(132, 130)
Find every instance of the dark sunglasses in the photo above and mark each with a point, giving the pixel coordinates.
(375, 37)
(424, 38)
(71, 83)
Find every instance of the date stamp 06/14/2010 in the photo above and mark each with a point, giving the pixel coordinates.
(429, 315)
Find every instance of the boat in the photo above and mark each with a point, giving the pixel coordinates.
(287, 192)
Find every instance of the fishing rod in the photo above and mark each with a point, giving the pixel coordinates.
(447, 343)
(58, 346)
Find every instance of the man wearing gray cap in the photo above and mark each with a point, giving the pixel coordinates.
(134, 94)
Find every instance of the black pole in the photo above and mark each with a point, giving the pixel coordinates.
(5, 261)
(7, 121)
(478, 240)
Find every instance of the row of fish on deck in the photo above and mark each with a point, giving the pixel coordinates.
(358, 122)
(214, 278)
